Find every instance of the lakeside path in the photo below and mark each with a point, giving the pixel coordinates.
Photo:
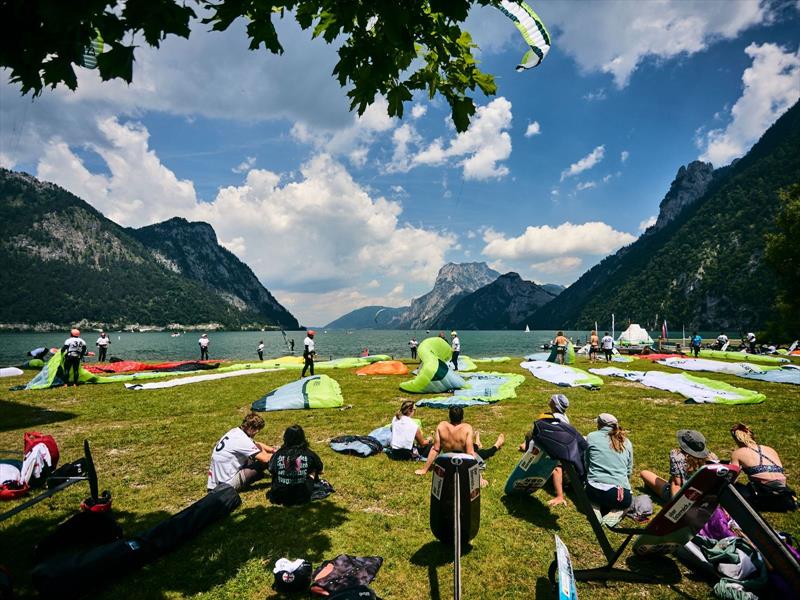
(152, 451)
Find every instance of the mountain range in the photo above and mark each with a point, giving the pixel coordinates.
(65, 263)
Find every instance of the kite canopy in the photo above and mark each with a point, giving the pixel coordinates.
(634, 336)
(317, 391)
(387, 367)
(760, 358)
(532, 29)
(434, 375)
(482, 388)
(562, 375)
(569, 357)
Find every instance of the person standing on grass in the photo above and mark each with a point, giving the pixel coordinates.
(237, 459)
(607, 343)
(102, 344)
(751, 342)
(308, 352)
(696, 342)
(260, 350)
(74, 350)
(203, 342)
(561, 343)
(594, 346)
(412, 345)
(456, 344)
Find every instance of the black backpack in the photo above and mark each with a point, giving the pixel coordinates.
(294, 581)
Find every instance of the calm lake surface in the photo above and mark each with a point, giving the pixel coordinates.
(241, 345)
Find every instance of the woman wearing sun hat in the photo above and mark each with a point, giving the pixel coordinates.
(691, 454)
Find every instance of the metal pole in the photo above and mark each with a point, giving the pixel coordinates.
(457, 536)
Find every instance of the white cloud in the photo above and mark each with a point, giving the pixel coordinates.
(648, 222)
(565, 239)
(558, 265)
(596, 95)
(6, 161)
(584, 164)
(471, 235)
(623, 156)
(616, 37)
(311, 234)
(533, 129)
(373, 284)
(480, 149)
(771, 87)
(245, 165)
(403, 138)
(418, 111)
(586, 185)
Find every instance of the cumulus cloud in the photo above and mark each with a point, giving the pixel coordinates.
(586, 185)
(584, 164)
(558, 265)
(566, 239)
(479, 151)
(533, 129)
(302, 235)
(616, 37)
(771, 87)
(623, 156)
(245, 165)
(648, 222)
(418, 111)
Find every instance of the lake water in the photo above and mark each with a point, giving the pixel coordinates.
(241, 345)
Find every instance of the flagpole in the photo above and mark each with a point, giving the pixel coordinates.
(612, 325)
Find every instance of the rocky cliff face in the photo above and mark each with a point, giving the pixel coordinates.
(690, 183)
(192, 249)
(65, 263)
(505, 303)
(452, 282)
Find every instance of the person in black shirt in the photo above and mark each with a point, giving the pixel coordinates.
(295, 468)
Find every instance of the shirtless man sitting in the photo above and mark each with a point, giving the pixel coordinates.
(457, 436)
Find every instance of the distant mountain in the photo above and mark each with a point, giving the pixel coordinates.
(368, 317)
(702, 263)
(452, 282)
(553, 288)
(65, 263)
(505, 303)
(192, 250)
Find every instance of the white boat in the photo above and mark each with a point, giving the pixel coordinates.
(527, 329)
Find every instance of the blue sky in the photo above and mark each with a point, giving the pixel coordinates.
(567, 162)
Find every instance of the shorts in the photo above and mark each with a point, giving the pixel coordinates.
(593, 349)
(561, 349)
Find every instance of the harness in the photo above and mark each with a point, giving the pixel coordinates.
(761, 467)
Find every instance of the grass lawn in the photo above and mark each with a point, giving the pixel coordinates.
(152, 450)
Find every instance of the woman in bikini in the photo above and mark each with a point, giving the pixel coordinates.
(766, 487)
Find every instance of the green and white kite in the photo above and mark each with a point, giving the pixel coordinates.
(532, 29)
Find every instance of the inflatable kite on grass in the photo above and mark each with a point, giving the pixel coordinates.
(317, 391)
(696, 390)
(387, 367)
(435, 374)
(561, 375)
(481, 389)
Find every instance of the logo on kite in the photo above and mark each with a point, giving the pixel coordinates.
(532, 29)
(90, 52)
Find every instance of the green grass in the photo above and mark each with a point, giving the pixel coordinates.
(152, 450)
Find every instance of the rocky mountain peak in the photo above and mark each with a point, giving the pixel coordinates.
(690, 183)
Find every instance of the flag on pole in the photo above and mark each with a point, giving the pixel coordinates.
(664, 329)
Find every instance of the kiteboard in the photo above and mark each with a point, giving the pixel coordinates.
(566, 577)
(532, 471)
(443, 487)
(687, 512)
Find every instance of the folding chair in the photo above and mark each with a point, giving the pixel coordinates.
(75, 472)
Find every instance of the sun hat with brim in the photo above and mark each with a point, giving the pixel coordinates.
(692, 443)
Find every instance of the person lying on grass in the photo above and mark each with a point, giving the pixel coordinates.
(456, 436)
(237, 459)
(295, 469)
(558, 408)
(407, 441)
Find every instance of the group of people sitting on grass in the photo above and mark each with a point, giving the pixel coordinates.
(608, 460)
(238, 460)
